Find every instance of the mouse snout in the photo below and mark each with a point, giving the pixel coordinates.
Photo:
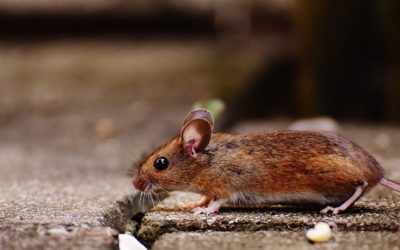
(142, 183)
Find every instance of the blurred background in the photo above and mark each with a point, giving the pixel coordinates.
(89, 87)
(99, 69)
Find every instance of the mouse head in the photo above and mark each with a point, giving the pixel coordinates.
(172, 166)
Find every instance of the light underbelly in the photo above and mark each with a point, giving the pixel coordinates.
(301, 198)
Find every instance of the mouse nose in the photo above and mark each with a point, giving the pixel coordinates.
(140, 184)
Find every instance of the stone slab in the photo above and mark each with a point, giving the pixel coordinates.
(56, 172)
(275, 240)
(75, 115)
(362, 217)
(57, 237)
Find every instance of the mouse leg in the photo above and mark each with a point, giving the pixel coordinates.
(212, 207)
(203, 202)
(356, 195)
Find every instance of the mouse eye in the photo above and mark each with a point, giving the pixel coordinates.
(161, 163)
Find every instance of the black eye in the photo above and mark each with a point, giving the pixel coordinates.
(161, 163)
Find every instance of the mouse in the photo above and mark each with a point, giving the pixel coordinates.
(264, 168)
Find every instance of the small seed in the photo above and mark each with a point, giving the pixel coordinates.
(320, 233)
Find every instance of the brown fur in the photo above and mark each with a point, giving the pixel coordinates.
(268, 163)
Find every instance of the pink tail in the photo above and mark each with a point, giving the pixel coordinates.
(390, 184)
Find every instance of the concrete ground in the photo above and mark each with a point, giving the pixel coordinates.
(275, 240)
(74, 117)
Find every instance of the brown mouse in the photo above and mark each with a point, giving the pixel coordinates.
(282, 167)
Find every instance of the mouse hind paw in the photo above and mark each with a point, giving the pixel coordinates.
(356, 195)
(333, 210)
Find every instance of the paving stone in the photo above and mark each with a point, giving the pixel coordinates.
(275, 240)
(360, 218)
(56, 167)
(57, 177)
(38, 236)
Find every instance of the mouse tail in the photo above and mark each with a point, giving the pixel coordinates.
(390, 184)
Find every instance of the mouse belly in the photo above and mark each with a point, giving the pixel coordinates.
(300, 198)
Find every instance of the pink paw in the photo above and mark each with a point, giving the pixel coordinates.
(334, 210)
(211, 208)
(205, 210)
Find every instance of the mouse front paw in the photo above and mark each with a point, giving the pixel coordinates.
(212, 207)
(203, 202)
(205, 210)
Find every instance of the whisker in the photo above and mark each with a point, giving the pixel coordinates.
(155, 194)
(163, 189)
(146, 198)
(140, 200)
(152, 201)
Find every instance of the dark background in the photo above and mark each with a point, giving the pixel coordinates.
(276, 58)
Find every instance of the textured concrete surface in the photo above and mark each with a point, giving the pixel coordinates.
(74, 116)
(275, 240)
(39, 236)
(49, 186)
(361, 218)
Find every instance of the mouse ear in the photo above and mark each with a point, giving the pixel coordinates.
(196, 131)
